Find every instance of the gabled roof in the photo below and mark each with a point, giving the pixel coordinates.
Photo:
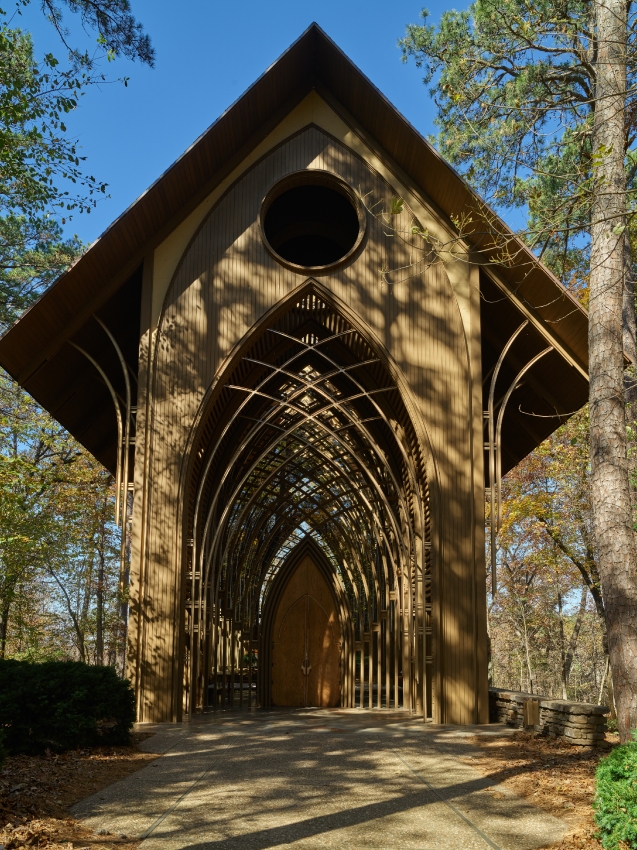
(32, 350)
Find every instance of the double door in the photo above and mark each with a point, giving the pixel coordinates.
(306, 642)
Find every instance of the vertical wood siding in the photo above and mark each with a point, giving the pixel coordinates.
(226, 281)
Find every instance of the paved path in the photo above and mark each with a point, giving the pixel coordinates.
(316, 779)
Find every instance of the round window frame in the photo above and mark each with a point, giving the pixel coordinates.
(313, 177)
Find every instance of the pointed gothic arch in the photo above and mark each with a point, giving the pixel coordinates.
(306, 433)
(191, 285)
(272, 596)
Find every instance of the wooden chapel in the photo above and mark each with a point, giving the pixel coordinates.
(303, 407)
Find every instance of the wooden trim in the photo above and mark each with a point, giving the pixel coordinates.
(479, 583)
(139, 541)
(538, 323)
(313, 61)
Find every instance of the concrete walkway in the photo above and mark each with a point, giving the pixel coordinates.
(316, 779)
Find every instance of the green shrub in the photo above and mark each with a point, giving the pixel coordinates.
(60, 705)
(616, 797)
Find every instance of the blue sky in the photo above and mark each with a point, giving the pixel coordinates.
(208, 53)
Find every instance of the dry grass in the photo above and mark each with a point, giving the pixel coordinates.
(36, 793)
(551, 774)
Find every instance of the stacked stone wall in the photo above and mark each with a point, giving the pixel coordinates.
(579, 723)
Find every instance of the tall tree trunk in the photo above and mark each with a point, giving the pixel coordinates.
(527, 651)
(77, 623)
(87, 594)
(612, 521)
(568, 652)
(612, 714)
(563, 675)
(603, 684)
(628, 323)
(124, 586)
(4, 628)
(99, 613)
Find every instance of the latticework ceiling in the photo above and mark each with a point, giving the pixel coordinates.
(307, 436)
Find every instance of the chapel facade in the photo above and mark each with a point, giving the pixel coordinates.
(307, 391)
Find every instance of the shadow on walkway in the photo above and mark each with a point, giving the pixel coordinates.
(316, 779)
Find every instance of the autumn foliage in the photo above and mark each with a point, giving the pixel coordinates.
(547, 620)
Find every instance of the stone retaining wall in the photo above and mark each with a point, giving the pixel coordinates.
(579, 723)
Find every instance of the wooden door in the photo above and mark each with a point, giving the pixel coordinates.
(306, 647)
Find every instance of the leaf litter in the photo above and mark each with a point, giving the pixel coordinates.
(37, 792)
(553, 775)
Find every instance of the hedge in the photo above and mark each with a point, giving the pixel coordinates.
(62, 705)
(616, 797)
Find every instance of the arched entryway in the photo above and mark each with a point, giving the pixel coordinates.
(307, 441)
(305, 640)
(306, 633)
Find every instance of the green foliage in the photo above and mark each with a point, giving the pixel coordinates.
(37, 154)
(60, 705)
(58, 585)
(502, 71)
(42, 172)
(3, 752)
(615, 801)
(117, 29)
(34, 457)
(547, 621)
(32, 255)
(514, 84)
(59, 548)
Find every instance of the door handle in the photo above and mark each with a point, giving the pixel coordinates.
(305, 668)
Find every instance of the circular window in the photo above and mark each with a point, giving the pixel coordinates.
(312, 220)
